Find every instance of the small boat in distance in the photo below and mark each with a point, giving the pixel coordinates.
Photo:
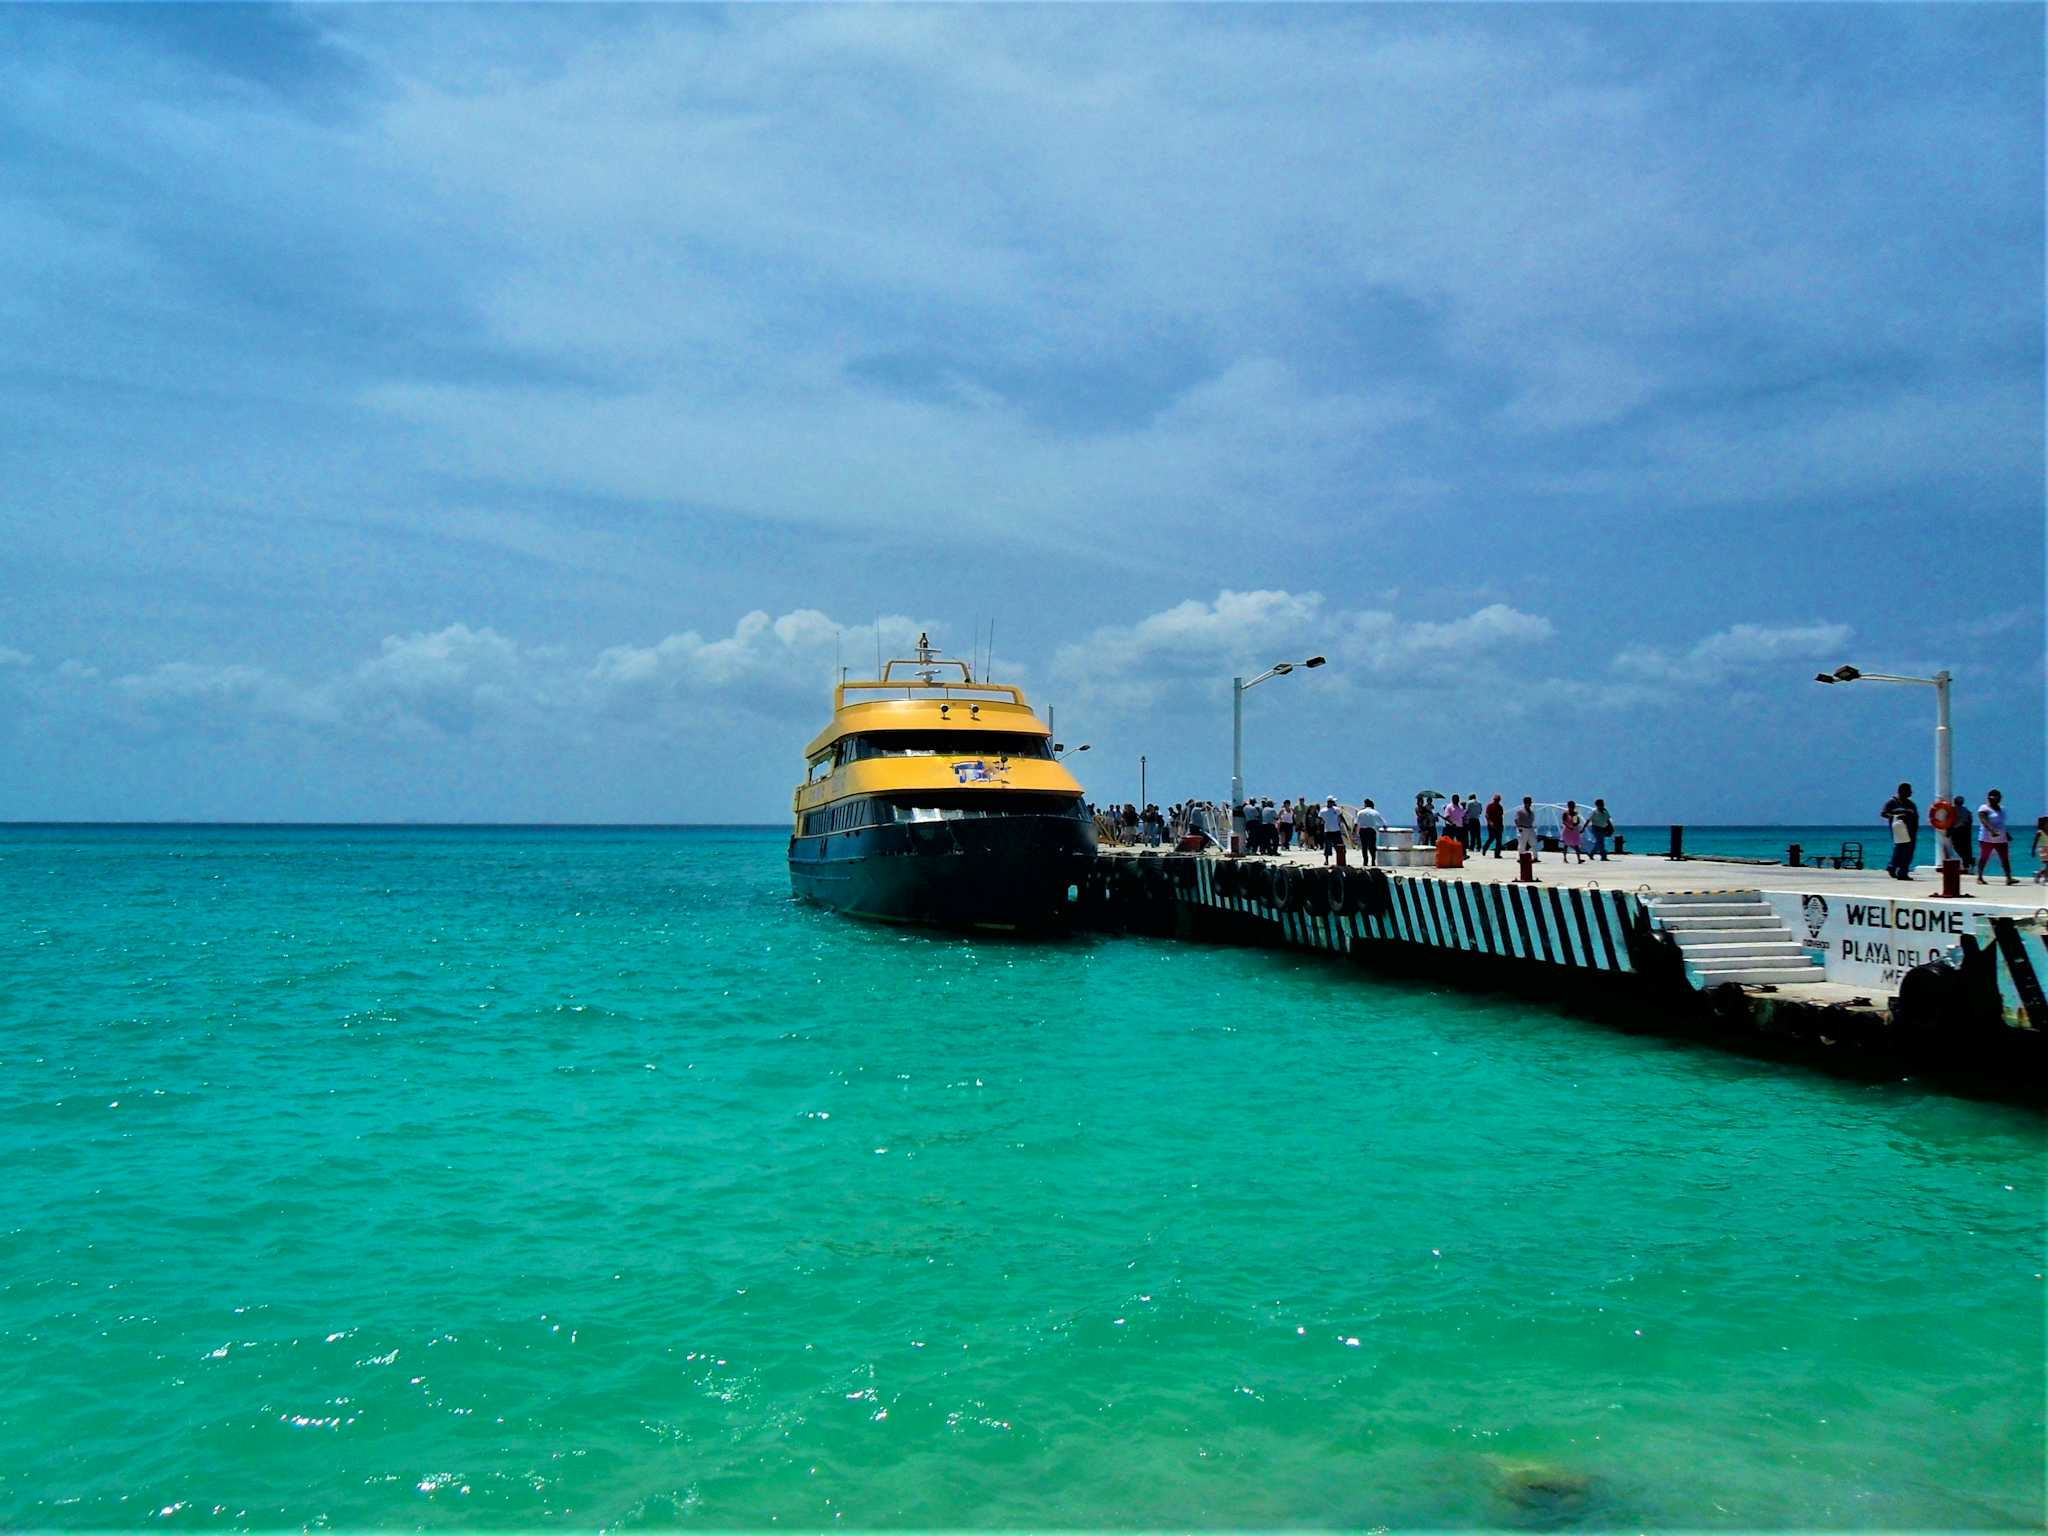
(933, 798)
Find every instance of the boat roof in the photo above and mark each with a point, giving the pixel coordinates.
(924, 699)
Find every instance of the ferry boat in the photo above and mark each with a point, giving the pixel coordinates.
(934, 798)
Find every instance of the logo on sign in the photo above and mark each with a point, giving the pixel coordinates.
(1816, 910)
(975, 772)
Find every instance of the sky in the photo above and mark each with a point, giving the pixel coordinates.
(519, 413)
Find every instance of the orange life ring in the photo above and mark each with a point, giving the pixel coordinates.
(1941, 816)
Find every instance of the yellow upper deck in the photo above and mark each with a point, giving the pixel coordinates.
(983, 718)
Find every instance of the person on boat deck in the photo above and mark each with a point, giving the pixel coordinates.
(1368, 823)
(1904, 817)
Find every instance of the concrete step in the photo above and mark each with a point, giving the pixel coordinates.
(1718, 964)
(1751, 949)
(1762, 975)
(1729, 932)
(1702, 898)
(1731, 917)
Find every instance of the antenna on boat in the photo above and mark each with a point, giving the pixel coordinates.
(925, 669)
(974, 651)
(989, 670)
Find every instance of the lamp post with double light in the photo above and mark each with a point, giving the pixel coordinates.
(1238, 688)
(1944, 748)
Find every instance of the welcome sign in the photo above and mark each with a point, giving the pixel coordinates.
(1868, 943)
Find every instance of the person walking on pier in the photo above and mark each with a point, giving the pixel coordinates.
(1601, 825)
(1904, 817)
(1525, 828)
(2041, 850)
(1472, 824)
(1333, 830)
(1570, 831)
(1286, 825)
(1996, 839)
(1454, 819)
(1496, 819)
(1962, 829)
(1368, 823)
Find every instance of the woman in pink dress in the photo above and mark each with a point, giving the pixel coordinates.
(1570, 828)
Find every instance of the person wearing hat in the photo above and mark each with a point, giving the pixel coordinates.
(1333, 830)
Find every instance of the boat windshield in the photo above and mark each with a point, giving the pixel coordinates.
(943, 744)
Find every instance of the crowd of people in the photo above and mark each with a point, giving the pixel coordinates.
(1956, 828)
(1977, 838)
(1259, 826)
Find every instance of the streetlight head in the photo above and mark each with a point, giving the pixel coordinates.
(1084, 746)
(1314, 661)
(1823, 677)
(1846, 674)
(1282, 668)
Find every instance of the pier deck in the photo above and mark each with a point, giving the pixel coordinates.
(1781, 948)
(1656, 875)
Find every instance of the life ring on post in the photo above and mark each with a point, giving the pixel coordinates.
(1941, 815)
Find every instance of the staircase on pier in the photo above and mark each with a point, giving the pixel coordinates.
(1733, 936)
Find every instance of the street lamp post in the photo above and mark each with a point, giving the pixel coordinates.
(1944, 746)
(1238, 688)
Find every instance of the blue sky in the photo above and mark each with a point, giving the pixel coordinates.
(513, 413)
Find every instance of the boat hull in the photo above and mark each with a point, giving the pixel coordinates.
(984, 872)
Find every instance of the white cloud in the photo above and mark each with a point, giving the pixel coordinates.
(763, 657)
(1732, 653)
(10, 657)
(1242, 633)
(459, 680)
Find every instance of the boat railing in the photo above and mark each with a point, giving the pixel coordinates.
(911, 688)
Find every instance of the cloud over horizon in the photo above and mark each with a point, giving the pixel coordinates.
(1566, 359)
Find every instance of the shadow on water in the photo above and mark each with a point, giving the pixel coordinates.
(1651, 1022)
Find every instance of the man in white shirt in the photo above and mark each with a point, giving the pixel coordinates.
(1333, 830)
(1525, 826)
(1368, 822)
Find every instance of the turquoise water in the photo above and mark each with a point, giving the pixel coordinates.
(1770, 843)
(506, 1178)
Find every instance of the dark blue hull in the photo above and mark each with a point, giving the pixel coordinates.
(982, 872)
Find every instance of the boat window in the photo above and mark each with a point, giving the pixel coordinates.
(944, 744)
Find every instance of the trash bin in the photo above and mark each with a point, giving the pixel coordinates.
(1450, 853)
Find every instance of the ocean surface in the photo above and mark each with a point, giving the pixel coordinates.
(1772, 843)
(505, 1178)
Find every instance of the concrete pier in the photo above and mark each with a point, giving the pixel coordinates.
(1835, 958)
